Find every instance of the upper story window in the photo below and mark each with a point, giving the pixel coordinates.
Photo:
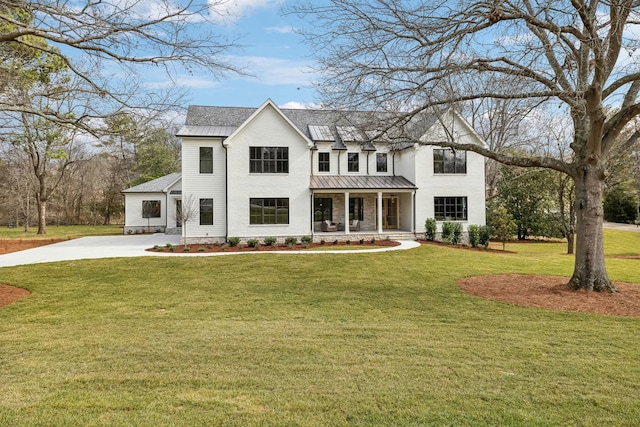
(353, 162)
(269, 159)
(151, 209)
(381, 162)
(446, 160)
(206, 159)
(324, 164)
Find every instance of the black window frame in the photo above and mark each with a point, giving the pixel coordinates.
(259, 216)
(451, 208)
(356, 208)
(206, 160)
(353, 162)
(151, 209)
(382, 166)
(206, 215)
(323, 208)
(268, 159)
(448, 161)
(324, 162)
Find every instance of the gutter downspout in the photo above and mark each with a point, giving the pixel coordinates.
(393, 163)
(414, 213)
(226, 192)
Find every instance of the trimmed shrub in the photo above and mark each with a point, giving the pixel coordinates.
(474, 235)
(430, 228)
(270, 241)
(447, 231)
(253, 243)
(233, 241)
(290, 241)
(456, 236)
(306, 240)
(484, 237)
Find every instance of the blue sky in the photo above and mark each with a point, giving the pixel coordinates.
(274, 54)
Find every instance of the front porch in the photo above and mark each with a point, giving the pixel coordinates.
(367, 236)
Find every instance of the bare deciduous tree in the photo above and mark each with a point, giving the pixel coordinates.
(112, 49)
(399, 56)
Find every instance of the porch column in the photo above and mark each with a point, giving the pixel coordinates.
(380, 212)
(414, 225)
(346, 212)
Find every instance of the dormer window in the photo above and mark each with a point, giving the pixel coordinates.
(381, 162)
(353, 162)
(324, 162)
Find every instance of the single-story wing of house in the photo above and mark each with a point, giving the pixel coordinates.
(258, 172)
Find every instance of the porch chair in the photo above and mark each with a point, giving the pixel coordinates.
(355, 225)
(327, 225)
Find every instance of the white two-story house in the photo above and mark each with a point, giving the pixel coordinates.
(257, 172)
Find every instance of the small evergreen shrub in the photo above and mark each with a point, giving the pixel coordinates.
(270, 241)
(447, 231)
(474, 235)
(484, 236)
(253, 243)
(322, 242)
(290, 241)
(186, 249)
(233, 241)
(430, 229)
(348, 242)
(306, 240)
(361, 241)
(456, 236)
(373, 240)
(335, 242)
(201, 249)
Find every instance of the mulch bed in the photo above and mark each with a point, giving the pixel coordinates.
(9, 294)
(553, 292)
(208, 248)
(15, 245)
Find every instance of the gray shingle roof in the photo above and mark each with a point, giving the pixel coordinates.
(359, 182)
(221, 121)
(157, 185)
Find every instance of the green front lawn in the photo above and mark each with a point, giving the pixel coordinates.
(60, 231)
(312, 340)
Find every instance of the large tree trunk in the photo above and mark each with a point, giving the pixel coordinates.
(589, 273)
(41, 199)
(42, 215)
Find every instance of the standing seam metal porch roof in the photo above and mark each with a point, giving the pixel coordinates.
(359, 182)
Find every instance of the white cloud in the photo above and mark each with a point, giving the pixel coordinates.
(183, 81)
(277, 71)
(295, 105)
(232, 10)
(281, 29)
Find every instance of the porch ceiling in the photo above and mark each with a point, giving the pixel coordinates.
(359, 182)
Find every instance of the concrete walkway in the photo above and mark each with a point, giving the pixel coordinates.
(134, 246)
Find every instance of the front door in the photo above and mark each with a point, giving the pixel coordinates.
(390, 212)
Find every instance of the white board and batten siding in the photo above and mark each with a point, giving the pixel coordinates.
(198, 186)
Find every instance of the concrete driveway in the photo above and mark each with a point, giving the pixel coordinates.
(89, 248)
(624, 227)
(134, 246)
